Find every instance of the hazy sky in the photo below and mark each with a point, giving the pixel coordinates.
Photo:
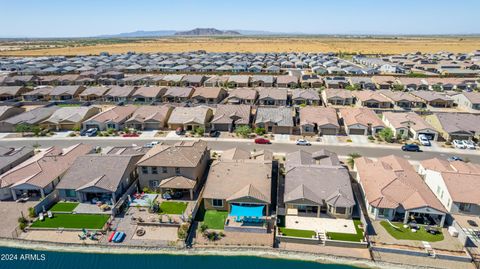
(69, 18)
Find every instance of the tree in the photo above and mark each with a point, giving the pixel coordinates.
(200, 131)
(352, 157)
(386, 134)
(22, 128)
(36, 130)
(260, 131)
(243, 130)
(398, 87)
(437, 88)
(354, 87)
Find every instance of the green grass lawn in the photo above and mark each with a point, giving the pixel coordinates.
(215, 219)
(174, 208)
(74, 221)
(357, 237)
(297, 233)
(63, 207)
(407, 234)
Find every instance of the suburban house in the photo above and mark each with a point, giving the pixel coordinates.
(287, 81)
(209, 95)
(29, 118)
(113, 118)
(37, 176)
(311, 81)
(171, 80)
(452, 126)
(149, 117)
(305, 97)
(469, 101)
(149, 94)
(262, 81)
(178, 94)
(193, 80)
(318, 120)
(337, 97)
(455, 184)
(190, 118)
(393, 190)
(178, 167)
(242, 186)
(64, 93)
(242, 96)
(277, 120)
(11, 92)
(272, 96)
(371, 99)
(315, 184)
(403, 100)
(363, 83)
(216, 81)
(38, 94)
(119, 94)
(10, 111)
(360, 121)
(236, 81)
(336, 82)
(418, 84)
(229, 117)
(11, 157)
(93, 93)
(434, 99)
(384, 82)
(98, 177)
(69, 118)
(409, 124)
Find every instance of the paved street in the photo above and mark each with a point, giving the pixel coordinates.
(342, 150)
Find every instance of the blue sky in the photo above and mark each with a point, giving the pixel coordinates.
(70, 18)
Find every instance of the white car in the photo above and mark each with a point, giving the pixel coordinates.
(469, 144)
(459, 144)
(424, 140)
(303, 142)
(151, 144)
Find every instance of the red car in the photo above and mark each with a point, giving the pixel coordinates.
(262, 141)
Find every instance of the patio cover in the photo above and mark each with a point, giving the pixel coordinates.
(178, 182)
(246, 211)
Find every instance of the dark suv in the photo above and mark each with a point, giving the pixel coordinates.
(411, 147)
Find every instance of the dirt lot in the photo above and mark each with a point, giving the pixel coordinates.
(262, 44)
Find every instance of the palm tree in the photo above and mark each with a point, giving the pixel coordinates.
(352, 157)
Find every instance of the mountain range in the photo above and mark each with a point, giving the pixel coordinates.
(194, 32)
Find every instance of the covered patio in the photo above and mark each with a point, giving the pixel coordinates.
(178, 183)
(246, 218)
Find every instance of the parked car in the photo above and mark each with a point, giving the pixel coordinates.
(454, 158)
(214, 133)
(179, 131)
(459, 144)
(303, 142)
(262, 141)
(151, 144)
(90, 132)
(411, 147)
(424, 140)
(469, 144)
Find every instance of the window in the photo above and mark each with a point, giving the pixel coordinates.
(154, 170)
(154, 183)
(164, 170)
(144, 170)
(340, 210)
(448, 202)
(438, 189)
(464, 207)
(383, 212)
(217, 202)
(177, 170)
(70, 193)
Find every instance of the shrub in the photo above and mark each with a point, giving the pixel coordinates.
(203, 228)
(371, 138)
(352, 157)
(260, 131)
(386, 135)
(22, 223)
(111, 131)
(243, 131)
(200, 131)
(31, 212)
(183, 230)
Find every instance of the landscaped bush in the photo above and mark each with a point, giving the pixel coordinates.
(260, 131)
(183, 230)
(243, 131)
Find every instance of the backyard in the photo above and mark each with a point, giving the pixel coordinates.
(73, 221)
(64, 207)
(296, 233)
(357, 237)
(174, 208)
(215, 219)
(406, 234)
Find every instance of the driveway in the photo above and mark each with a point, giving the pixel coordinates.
(10, 212)
(359, 139)
(148, 134)
(61, 134)
(172, 134)
(282, 138)
(330, 139)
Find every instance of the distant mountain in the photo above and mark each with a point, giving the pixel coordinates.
(206, 32)
(142, 34)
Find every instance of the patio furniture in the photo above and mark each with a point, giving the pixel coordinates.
(140, 232)
(50, 214)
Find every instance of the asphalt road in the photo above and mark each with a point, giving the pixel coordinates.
(342, 150)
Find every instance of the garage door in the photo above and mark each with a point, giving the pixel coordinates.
(353, 131)
(328, 131)
(429, 136)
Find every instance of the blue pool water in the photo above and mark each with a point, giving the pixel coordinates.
(24, 259)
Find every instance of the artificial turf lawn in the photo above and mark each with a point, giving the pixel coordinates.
(407, 234)
(297, 233)
(357, 237)
(215, 219)
(74, 221)
(175, 208)
(63, 207)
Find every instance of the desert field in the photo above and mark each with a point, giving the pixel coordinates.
(250, 44)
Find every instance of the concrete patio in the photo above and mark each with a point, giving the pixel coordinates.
(320, 224)
(87, 208)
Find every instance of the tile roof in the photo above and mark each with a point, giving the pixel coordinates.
(318, 115)
(70, 114)
(363, 116)
(407, 119)
(151, 113)
(272, 93)
(184, 115)
(281, 116)
(115, 114)
(225, 114)
(459, 122)
(182, 154)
